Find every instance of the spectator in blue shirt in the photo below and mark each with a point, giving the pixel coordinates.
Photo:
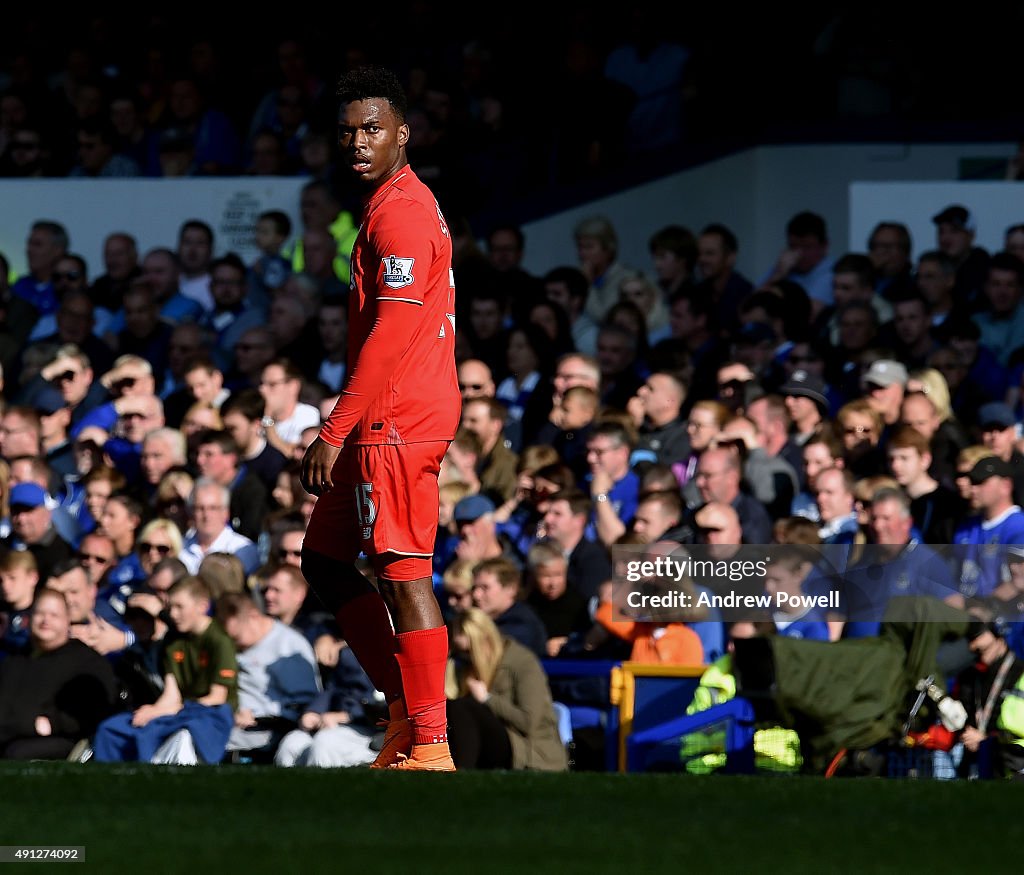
(895, 564)
(998, 521)
(792, 611)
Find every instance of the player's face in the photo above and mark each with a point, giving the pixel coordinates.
(371, 139)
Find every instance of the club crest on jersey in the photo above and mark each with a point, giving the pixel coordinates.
(397, 271)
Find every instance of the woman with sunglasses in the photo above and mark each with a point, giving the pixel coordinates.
(158, 539)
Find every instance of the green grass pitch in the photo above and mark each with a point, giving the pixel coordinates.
(235, 820)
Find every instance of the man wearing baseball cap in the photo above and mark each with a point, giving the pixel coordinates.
(998, 426)
(478, 534)
(54, 422)
(997, 521)
(884, 385)
(32, 528)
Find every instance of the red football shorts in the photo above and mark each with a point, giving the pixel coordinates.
(384, 500)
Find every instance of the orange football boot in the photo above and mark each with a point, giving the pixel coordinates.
(426, 758)
(397, 743)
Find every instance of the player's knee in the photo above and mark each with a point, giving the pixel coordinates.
(335, 582)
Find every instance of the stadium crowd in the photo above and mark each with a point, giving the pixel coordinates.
(155, 410)
(154, 418)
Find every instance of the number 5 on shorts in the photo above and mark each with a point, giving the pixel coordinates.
(366, 510)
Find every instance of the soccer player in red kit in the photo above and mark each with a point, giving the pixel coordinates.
(375, 462)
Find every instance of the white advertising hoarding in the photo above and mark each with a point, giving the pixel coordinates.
(151, 210)
(994, 206)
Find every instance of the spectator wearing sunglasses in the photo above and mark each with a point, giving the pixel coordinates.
(70, 276)
(475, 380)
(157, 540)
(114, 587)
(97, 556)
(286, 536)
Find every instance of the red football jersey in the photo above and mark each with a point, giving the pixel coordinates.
(402, 385)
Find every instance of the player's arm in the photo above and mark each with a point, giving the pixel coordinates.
(393, 330)
(404, 232)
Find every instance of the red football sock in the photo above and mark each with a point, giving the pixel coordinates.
(366, 625)
(422, 657)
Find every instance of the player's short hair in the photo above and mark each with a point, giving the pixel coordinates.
(373, 81)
